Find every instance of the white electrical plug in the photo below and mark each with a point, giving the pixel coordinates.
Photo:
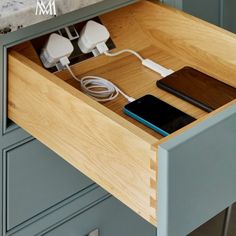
(92, 34)
(56, 48)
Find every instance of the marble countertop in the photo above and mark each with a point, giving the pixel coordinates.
(16, 14)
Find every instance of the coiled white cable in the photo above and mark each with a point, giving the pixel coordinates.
(99, 88)
(103, 90)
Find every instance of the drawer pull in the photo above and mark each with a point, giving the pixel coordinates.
(94, 233)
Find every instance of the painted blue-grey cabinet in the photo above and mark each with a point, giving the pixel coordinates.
(205, 9)
(218, 12)
(108, 218)
(37, 180)
(228, 15)
(38, 189)
(42, 195)
(221, 13)
(63, 212)
(202, 183)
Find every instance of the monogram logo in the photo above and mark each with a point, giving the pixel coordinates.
(46, 7)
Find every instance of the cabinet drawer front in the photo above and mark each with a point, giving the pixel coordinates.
(98, 139)
(37, 179)
(110, 217)
(197, 173)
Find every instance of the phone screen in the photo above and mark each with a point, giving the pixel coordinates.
(157, 114)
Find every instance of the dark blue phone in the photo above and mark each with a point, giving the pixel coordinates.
(157, 115)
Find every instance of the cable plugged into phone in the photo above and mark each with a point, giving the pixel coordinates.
(93, 38)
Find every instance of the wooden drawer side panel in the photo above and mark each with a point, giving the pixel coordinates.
(112, 152)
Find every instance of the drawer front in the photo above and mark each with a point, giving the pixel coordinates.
(36, 180)
(197, 173)
(110, 217)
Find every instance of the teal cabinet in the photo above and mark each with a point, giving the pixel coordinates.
(229, 16)
(110, 217)
(200, 188)
(218, 12)
(37, 180)
(42, 195)
(39, 189)
(62, 213)
(208, 10)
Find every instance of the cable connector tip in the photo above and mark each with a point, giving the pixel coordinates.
(157, 68)
(130, 99)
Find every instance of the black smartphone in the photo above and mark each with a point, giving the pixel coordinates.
(157, 115)
(198, 88)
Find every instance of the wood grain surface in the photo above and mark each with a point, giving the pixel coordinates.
(98, 139)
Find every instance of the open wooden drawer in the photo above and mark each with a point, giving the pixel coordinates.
(177, 182)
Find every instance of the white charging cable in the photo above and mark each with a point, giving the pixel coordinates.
(103, 49)
(94, 36)
(96, 87)
(103, 90)
(114, 54)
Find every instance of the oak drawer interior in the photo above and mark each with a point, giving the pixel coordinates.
(115, 151)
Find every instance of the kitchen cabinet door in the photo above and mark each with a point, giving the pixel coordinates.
(208, 10)
(37, 180)
(229, 16)
(218, 12)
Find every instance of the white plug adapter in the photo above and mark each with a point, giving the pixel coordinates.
(56, 48)
(92, 35)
